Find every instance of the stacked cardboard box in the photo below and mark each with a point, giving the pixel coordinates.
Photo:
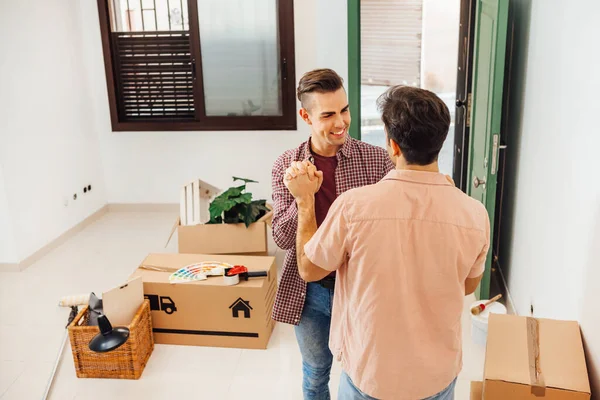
(209, 312)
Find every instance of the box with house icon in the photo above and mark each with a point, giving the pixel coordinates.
(210, 312)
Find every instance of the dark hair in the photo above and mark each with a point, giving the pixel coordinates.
(319, 81)
(417, 120)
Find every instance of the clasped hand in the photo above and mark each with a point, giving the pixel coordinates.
(302, 179)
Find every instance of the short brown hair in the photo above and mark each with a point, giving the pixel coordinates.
(319, 81)
(417, 120)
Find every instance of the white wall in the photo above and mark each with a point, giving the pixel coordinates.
(8, 252)
(48, 143)
(150, 167)
(55, 125)
(556, 236)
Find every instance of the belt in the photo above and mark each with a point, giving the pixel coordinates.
(327, 282)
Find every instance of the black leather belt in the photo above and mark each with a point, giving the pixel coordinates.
(327, 282)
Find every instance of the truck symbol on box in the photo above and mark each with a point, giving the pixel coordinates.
(161, 303)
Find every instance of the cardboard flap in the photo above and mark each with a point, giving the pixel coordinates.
(122, 303)
(507, 357)
(476, 390)
(511, 353)
(267, 218)
(175, 225)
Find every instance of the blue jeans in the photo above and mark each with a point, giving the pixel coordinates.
(313, 338)
(348, 391)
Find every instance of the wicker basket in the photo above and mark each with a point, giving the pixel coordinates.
(126, 362)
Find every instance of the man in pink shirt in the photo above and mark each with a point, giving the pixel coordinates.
(406, 251)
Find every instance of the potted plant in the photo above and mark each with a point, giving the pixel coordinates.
(235, 205)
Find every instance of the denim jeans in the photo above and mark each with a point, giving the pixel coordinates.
(348, 391)
(313, 338)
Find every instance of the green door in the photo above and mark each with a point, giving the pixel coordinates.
(486, 113)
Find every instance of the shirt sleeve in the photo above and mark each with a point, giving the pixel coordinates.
(285, 212)
(327, 248)
(479, 266)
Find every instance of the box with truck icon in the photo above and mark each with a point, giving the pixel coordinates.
(210, 312)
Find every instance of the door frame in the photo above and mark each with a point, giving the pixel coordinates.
(461, 161)
(461, 142)
(354, 66)
(461, 139)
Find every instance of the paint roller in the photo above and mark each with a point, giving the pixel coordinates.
(74, 300)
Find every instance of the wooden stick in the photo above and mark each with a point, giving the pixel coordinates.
(478, 309)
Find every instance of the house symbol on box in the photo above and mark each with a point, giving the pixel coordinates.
(240, 305)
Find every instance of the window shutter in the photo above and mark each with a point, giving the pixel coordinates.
(154, 76)
(391, 33)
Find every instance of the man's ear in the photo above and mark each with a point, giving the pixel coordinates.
(396, 152)
(304, 115)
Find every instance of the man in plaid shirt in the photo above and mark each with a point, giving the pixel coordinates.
(346, 163)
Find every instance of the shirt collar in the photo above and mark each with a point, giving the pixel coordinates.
(422, 177)
(346, 150)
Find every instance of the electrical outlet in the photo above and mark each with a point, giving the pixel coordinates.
(89, 188)
(85, 189)
(74, 196)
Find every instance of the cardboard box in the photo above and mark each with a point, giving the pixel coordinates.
(196, 237)
(209, 313)
(222, 239)
(528, 358)
(476, 391)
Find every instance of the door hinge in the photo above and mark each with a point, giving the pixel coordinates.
(469, 110)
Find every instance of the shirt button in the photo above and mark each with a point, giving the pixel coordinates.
(302, 294)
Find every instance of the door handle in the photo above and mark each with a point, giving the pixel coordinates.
(478, 182)
(460, 103)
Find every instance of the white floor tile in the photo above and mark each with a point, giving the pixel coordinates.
(30, 384)
(9, 372)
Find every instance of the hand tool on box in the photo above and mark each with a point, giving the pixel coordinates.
(233, 275)
(479, 309)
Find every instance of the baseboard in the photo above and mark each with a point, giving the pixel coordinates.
(27, 262)
(9, 267)
(144, 207)
(115, 207)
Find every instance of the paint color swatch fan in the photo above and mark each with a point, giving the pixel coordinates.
(198, 272)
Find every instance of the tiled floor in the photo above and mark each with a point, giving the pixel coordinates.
(101, 257)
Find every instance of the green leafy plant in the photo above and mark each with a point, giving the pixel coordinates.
(235, 206)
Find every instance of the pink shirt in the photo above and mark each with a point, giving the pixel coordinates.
(403, 249)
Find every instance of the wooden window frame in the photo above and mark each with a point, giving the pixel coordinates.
(202, 122)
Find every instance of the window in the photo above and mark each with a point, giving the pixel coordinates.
(199, 64)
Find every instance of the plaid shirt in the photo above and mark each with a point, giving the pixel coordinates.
(359, 164)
